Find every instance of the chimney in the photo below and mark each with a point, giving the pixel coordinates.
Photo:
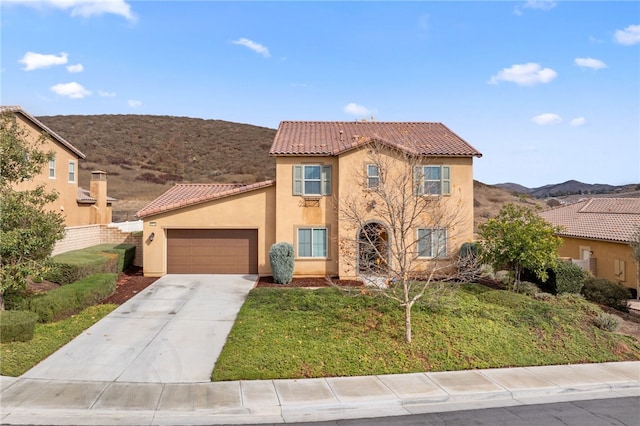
(98, 190)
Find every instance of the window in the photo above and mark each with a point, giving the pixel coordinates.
(432, 180)
(311, 180)
(312, 242)
(373, 176)
(72, 171)
(432, 242)
(52, 168)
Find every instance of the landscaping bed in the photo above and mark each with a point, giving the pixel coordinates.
(314, 282)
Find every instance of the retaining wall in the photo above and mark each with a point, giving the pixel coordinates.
(79, 237)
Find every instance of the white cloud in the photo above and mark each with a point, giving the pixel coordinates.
(83, 8)
(547, 118)
(134, 104)
(71, 90)
(577, 122)
(595, 64)
(75, 68)
(536, 4)
(355, 109)
(104, 94)
(628, 36)
(33, 61)
(256, 47)
(528, 74)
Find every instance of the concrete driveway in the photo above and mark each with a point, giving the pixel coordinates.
(172, 332)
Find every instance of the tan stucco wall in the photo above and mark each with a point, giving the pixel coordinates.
(459, 205)
(347, 179)
(74, 214)
(605, 254)
(250, 210)
(294, 212)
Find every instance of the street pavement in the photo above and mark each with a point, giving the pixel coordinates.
(149, 362)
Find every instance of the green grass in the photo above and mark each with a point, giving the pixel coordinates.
(299, 333)
(18, 357)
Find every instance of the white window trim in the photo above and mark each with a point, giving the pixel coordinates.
(312, 228)
(52, 162)
(369, 176)
(446, 243)
(75, 172)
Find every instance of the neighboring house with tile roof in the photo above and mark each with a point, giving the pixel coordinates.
(78, 206)
(597, 232)
(230, 228)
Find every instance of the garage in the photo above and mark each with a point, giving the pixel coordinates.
(212, 251)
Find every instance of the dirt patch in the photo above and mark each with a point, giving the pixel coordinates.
(130, 283)
(308, 282)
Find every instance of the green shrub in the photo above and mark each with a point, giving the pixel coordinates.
(126, 253)
(605, 292)
(75, 265)
(525, 287)
(17, 326)
(570, 277)
(607, 321)
(281, 259)
(71, 298)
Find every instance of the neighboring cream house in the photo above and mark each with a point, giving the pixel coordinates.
(77, 205)
(228, 228)
(596, 234)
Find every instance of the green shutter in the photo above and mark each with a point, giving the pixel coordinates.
(326, 180)
(446, 180)
(418, 180)
(297, 180)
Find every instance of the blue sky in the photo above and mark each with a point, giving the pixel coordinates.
(547, 90)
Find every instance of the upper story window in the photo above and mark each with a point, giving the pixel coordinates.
(373, 176)
(432, 180)
(52, 168)
(311, 179)
(72, 171)
(432, 242)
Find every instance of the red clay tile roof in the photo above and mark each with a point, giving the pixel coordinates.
(188, 194)
(610, 219)
(63, 142)
(334, 137)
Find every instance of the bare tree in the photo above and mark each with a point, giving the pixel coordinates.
(397, 225)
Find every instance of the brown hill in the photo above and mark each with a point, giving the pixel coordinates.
(144, 155)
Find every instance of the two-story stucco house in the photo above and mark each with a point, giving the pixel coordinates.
(77, 205)
(229, 228)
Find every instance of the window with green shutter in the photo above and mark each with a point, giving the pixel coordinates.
(311, 179)
(432, 180)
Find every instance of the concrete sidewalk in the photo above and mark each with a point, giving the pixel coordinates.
(35, 401)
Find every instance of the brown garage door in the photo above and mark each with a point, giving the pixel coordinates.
(212, 251)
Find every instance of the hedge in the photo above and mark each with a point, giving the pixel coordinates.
(126, 253)
(17, 326)
(75, 265)
(71, 298)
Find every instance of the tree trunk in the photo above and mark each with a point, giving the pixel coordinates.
(407, 322)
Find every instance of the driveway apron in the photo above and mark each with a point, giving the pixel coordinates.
(172, 332)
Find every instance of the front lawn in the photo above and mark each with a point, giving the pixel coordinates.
(301, 333)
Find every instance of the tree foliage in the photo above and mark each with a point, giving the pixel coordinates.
(516, 239)
(381, 218)
(28, 231)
